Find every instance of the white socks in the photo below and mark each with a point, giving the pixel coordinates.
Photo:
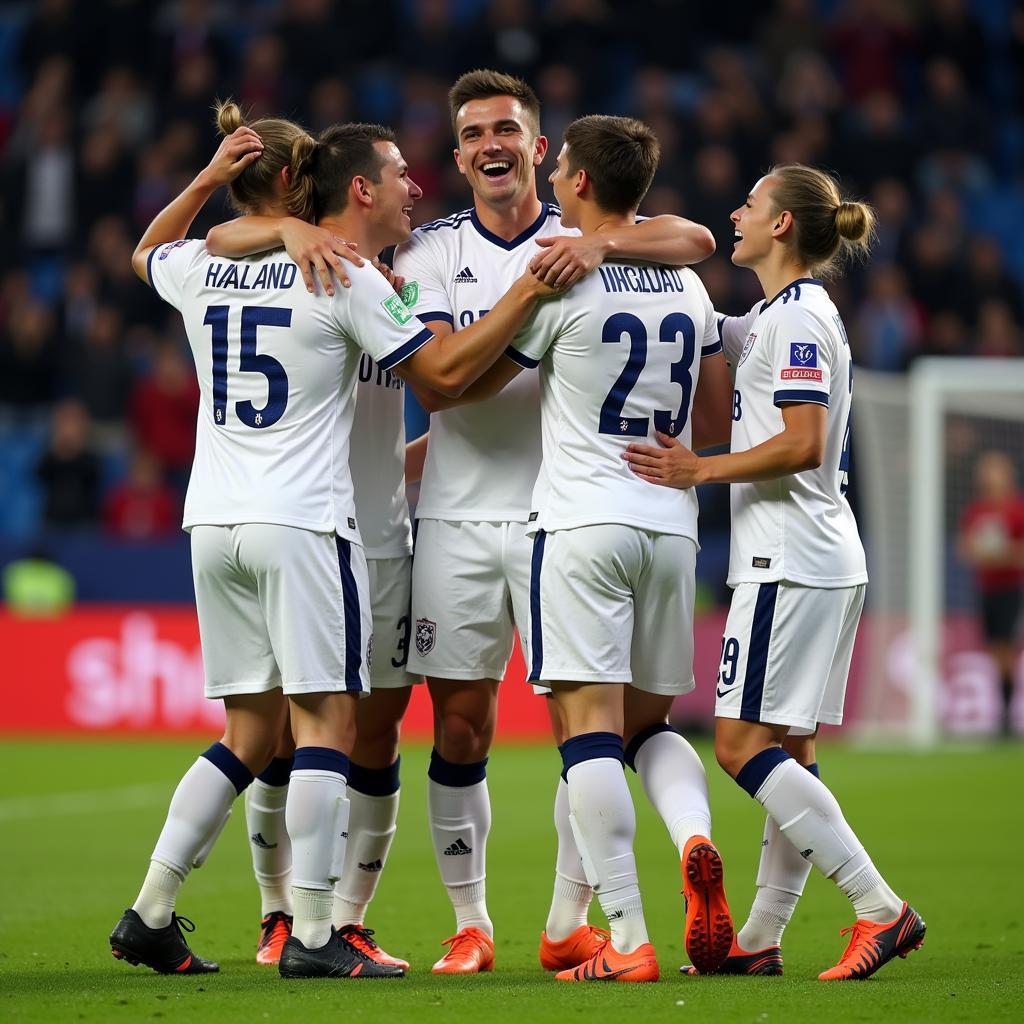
(781, 876)
(605, 823)
(371, 828)
(572, 893)
(460, 819)
(269, 844)
(197, 812)
(317, 817)
(810, 818)
(674, 780)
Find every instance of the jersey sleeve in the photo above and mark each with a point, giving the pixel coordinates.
(801, 353)
(733, 332)
(424, 292)
(535, 337)
(373, 315)
(711, 343)
(167, 265)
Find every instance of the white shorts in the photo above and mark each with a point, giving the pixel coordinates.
(281, 607)
(786, 654)
(390, 593)
(613, 604)
(470, 590)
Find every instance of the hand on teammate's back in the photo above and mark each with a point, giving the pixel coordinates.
(672, 465)
(567, 259)
(395, 280)
(316, 251)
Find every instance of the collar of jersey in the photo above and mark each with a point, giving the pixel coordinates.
(520, 238)
(782, 291)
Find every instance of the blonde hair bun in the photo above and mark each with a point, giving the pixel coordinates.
(228, 117)
(854, 221)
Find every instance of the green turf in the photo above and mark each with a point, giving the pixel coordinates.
(946, 828)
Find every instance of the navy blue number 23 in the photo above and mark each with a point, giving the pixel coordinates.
(612, 421)
(249, 361)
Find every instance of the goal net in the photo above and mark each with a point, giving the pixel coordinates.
(922, 672)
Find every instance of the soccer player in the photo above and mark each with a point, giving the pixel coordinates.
(472, 564)
(280, 574)
(612, 579)
(377, 464)
(796, 565)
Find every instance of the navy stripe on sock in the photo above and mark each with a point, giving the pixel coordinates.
(589, 746)
(634, 745)
(536, 632)
(757, 658)
(564, 772)
(222, 758)
(320, 759)
(276, 773)
(447, 773)
(752, 775)
(353, 620)
(374, 781)
(813, 769)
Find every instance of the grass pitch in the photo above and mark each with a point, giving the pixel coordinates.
(78, 821)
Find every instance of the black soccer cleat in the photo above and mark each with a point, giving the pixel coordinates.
(764, 962)
(163, 949)
(336, 958)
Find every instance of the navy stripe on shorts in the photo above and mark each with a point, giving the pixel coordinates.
(536, 634)
(353, 618)
(757, 657)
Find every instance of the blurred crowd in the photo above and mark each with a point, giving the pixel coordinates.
(105, 114)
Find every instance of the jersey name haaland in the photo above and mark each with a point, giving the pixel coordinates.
(277, 370)
(799, 528)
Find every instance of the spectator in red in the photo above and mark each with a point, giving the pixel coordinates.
(164, 405)
(991, 541)
(142, 506)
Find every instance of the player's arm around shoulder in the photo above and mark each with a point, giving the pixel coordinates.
(450, 363)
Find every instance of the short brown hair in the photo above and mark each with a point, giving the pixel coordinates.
(342, 152)
(482, 84)
(620, 156)
(828, 229)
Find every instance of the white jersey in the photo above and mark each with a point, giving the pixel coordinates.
(619, 358)
(482, 459)
(277, 370)
(377, 461)
(797, 528)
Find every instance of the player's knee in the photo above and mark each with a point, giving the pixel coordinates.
(463, 739)
(377, 748)
(730, 755)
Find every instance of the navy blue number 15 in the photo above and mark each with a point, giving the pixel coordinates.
(249, 361)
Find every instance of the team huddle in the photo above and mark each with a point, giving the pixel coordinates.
(574, 366)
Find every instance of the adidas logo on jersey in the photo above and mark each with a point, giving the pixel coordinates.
(373, 866)
(458, 849)
(465, 276)
(258, 840)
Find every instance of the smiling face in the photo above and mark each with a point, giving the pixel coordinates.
(498, 149)
(758, 225)
(394, 196)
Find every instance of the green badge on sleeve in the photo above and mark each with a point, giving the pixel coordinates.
(397, 310)
(411, 293)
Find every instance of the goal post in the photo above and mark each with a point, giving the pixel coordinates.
(914, 437)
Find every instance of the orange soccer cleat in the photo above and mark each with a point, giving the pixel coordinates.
(571, 951)
(470, 951)
(872, 945)
(608, 964)
(709, 931)
(274, 931)
(362, 938)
